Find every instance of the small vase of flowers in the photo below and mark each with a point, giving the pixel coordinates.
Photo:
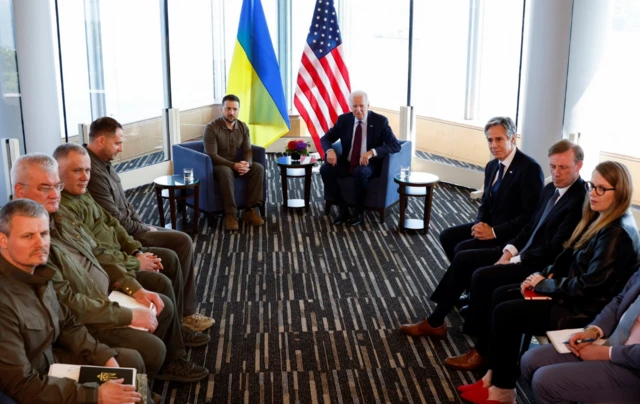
(297, 148)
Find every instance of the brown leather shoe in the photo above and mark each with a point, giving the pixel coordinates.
(423, 329)
(230, 222)
(252, 217)
(470, 360)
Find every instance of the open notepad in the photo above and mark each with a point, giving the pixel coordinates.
(130, 303)
(558, 338)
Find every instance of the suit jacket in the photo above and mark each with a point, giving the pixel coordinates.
(513, 205)
(379, 137)
(585, 280)
(609, 317)
(556, 228)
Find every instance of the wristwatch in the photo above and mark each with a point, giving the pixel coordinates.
(136, 252)
(592, 328)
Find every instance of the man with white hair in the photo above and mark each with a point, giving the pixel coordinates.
(366, 138)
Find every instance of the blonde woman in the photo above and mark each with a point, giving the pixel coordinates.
(598, 259)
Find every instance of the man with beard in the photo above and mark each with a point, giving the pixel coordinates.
(105, 143)
(225, 139)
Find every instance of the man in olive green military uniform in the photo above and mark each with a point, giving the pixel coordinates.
(33, 321)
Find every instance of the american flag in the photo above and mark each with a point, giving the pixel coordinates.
(322, 87)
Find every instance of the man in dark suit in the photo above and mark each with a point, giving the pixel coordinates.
(512, 184)
(538, 243)
(594, 373)
(366, 139)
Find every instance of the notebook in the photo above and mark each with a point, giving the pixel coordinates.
(558, 338)
(529, 294)
(88, 374)
(130, 303)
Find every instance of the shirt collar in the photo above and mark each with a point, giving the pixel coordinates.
(12, 272)
(364, 120)
(223, 124)
(97, 162)
(507, 162)
(562, 191)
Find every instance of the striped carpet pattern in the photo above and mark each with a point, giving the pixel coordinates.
(308, 312)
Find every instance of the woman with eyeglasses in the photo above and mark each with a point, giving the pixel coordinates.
(598, 259)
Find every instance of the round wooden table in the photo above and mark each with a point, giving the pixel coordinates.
(420, 185)
(290, 168)
(174, 188)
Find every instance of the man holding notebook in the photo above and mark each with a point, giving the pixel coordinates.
(83, 283)
(33, 321)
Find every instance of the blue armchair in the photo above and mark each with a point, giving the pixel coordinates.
(383, 191)
(192, 155)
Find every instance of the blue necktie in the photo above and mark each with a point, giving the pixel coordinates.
(550, 205)
(496, 185)
(623, 330)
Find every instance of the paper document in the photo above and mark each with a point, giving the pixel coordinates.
(130, 303)
(558, 338)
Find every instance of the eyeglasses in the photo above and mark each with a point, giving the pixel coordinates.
(600, 190)
(46, 190)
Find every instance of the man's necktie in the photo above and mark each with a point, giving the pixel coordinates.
(621, 334)
(496, 185)
(547, 209)
(355, 148)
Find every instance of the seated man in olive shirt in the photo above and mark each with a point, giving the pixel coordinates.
(105, 143)
(83, 282)
(224, 139)
(37, 330)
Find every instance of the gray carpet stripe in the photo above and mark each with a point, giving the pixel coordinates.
(309, 312)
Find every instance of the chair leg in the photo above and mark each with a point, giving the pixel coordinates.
(382, 213)
(262, 210)
(526, 342)
(327, 208)
(211, 217)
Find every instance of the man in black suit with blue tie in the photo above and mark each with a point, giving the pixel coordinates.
(534, 248)
(512, 185)
(366, 139)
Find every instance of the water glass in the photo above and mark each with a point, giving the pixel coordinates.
(405, 171)
(188, 174)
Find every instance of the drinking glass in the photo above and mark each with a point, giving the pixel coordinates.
(188, 174)
(405, 171)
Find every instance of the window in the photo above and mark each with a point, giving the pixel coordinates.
(112, 66)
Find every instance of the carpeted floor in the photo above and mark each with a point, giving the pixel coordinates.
(308, 312)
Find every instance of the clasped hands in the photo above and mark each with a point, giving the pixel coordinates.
(242, 167)
(332, 158)
(482, 231)
(149, 262)
(531, 282)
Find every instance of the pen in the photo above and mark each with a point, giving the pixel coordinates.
(580, 341)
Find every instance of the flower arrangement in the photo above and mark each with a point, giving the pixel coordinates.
(297, 147)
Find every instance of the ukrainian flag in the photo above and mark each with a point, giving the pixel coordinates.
(255, 78)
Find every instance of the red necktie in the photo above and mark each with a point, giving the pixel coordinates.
(355, 149)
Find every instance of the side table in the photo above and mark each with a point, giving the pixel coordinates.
(290, 168)
(420, 185)
(166, 187)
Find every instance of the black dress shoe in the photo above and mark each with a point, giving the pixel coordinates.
(342, 217)
(464, 311)
(356, 220)
(462, 301)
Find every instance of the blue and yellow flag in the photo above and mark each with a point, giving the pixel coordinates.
(255, 78)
